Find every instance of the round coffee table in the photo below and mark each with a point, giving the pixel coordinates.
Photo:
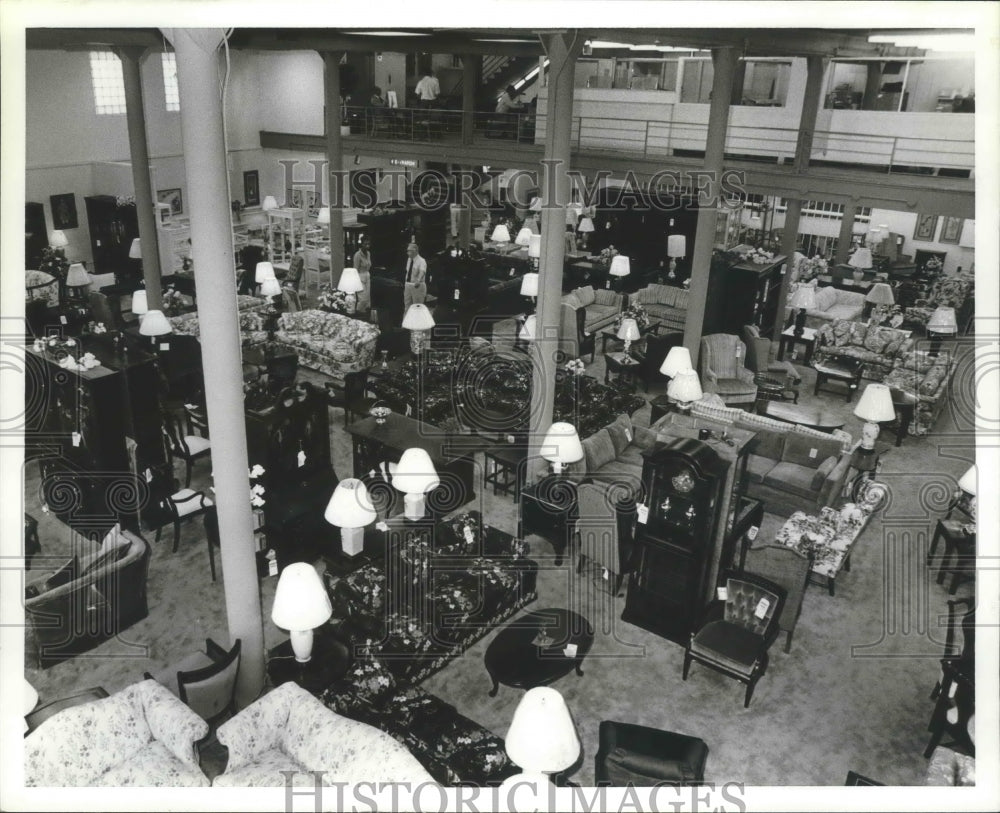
(519, 657)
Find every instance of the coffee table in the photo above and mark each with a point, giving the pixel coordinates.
(844, 370)
(516, 658)
(811, 417)
(770, 388)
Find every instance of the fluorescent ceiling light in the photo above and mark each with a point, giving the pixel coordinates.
(928, 41)
(631, 47)
(388, 33)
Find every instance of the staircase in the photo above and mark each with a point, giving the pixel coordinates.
(498, 72)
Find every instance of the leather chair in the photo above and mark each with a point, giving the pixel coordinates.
(640, 756)
(722, 369)
(205, 681)
(789, 569)
(735, 635)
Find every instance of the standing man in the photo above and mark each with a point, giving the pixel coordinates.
(414, 286)
(428, 89)
(362, 262)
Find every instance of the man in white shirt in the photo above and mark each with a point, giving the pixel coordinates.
(428, 89)
(414, 285)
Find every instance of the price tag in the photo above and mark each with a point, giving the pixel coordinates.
(301, 458)
(762, 607)
(812, 453)
(511, 273)
(164, 346)
(76, 438)
(272, 567)
(721, 593)
(628, 435)
(752, 533)
(149, 476)
(456, 294)
(604, 574)
(642, 514)
(62, 320)
(570, 651)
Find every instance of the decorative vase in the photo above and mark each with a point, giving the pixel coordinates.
(858, 276)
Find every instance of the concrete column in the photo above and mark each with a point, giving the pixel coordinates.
(212, 248)
(465, 221)
(846, 232)
(815, 68)
(739, 81)
(472, 71)
(562, 50)
(139, 152)
(873, 83)
(724, 64)
(339, 193)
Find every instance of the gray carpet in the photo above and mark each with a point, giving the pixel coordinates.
(853, 694)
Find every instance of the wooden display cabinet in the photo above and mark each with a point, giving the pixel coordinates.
(743, 293)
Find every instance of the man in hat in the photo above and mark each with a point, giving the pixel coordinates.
(414, 285)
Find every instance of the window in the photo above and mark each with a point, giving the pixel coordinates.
(170, 91)
(109, 85)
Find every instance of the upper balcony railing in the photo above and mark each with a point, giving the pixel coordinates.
(952, 150)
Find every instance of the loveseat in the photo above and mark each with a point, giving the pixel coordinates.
(290, 730)
(666, 304)
(927, 378)
(877, 347)
(601, 307)
(142, 736)
(954, 291)
(186, 324)
(834, 304)
(89, 599)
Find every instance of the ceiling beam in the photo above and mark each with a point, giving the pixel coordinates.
(56, 39)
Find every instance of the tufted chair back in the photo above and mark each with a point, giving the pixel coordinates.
(743, 596)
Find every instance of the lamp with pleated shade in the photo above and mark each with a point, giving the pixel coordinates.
(58, 239)
(523, 237)
(415, 475)
(880, 294)
(350, 509)
(684, 388)
(541, 741)
(300, 605)
(678, 359)
(561, 446)
(135, 250)
(874, 407)
(154, 323)
(500, 234)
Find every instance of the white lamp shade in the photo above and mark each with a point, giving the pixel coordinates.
(529, 284)
(542, 737)
(270, 287)
(77, 276)
(880, 294)
(323, 217)
(586, 225)
(350, 281)
(418, 317)
(677, 360)
(620, 266)
(58, 239)
(523, 237)
(269, 203)
(968, 482)
(135, 250)
(573, 212)
(300, 600)
(803, 297)
(263, 271)
(350, 506)
(154, 323)
(862, 258)
(676, 245)
(629, 330)
(875, 404)
(685, 387)
(415, 472)
(562, 444)
(139, 302)
(943, 320)
(500, 234)
(535, 246)
(528, 329)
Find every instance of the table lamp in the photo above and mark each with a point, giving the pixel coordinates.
(678, 359)
(860, 261)
(300, 605)
(500, 234)
(350, 509)
(535, 205)
(527, 332)
(620, 267)
(968, 482)
(323, 216)
(561, 446)
(804, 298)
(263, 271)
(628, 332)
(350, 283)
(586, 228)
(535, 250)
(676, 247)
(270, 287)
(875, 407)
(523, 237)
(153, 323)
(269, 203)
(879, 298)
(541, 740)
(77, 280)
(529, 285)
(139, 302)
(418, 321)
(684, 388)
(58, 239)
(415, 475)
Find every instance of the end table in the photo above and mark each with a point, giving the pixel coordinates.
(331, 658)
(548, 508)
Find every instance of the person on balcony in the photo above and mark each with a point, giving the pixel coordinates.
(415, 285)
(428, 89)
(508, 102)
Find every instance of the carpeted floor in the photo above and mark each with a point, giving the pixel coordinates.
(853, 694)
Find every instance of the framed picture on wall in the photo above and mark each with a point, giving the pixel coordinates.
(251, 188)
(951, 229)
(64, 211)
(926, 227)
(173, 198)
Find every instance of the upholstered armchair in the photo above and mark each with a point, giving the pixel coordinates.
(142, 736)
(722, 369)
(290, 730)
(759, 359)
(736, 643)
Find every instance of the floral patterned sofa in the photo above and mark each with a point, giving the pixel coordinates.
(927, 378)
(186, 324)
(438, 594)
(954, 290)
(875, 346)
(142, 736)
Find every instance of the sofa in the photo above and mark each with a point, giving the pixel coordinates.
(613, 454)
(954, 290)
(876, 346)
(186, 324)
(601, 307)
(290, 730)
(666, 304)
(142, 736)
(950, 768)
(89, 599)
(833, 304)
(927, 379)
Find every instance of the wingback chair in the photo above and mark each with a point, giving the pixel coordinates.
(723, 369)
(759, 359)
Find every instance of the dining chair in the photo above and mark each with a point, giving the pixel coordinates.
(182, 440)
(179, 504)
(353, 397)
(205, 681)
